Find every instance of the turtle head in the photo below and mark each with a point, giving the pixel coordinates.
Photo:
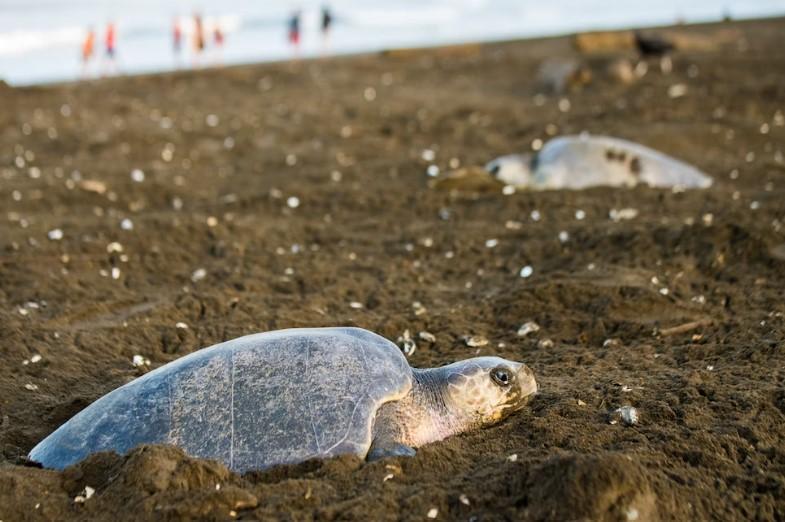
(513, 169)
(485, 390)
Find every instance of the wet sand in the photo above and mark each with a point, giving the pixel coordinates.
(211, 239)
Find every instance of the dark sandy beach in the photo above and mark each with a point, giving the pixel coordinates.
(211, 239)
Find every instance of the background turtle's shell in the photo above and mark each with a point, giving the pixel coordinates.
(578, 162)
(253, 402)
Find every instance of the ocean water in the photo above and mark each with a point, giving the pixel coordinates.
(40, 40)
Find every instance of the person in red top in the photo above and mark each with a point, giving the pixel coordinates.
(218, 40)
(294, 31)
(88, 47)
(110, 42)
(177, 38)
(198, 38)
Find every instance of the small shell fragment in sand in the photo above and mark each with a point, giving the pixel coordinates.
(427, 337)
(513, 457)
(127, 224)
(140, 361)
(114, 247)
(137, 175)
(528, 328)
(545, 344)
(526, 271)
(181, 326)
(475, 341)
(31, 387)
(508, 190)
(84, 495)
(433, 170)
(677, 90)
(535, 215)
(581, 403)
(293, 202)
(115, 273)
(623, 214)
(55, 234)
(35, 358)
(580, 215)
(491, 243)
(418, 308)
(387, 477)
(627, 415)
(198, 275)
(407, 344)
(93, 185)
(356, 305)
(464, 499)
(564, 236)
(433, 513)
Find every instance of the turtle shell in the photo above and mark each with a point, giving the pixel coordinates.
(578, 162)
(253, 402)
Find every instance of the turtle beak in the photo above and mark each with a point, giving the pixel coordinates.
(527, 384)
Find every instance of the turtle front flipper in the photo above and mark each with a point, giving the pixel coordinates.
(394, 449)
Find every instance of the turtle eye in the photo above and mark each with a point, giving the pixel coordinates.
(501, 377)
(494, 170)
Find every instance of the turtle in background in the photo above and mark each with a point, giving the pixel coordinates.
(578, 162)
(287, 396)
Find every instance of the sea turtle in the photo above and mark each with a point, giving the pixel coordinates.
(577, 162)
(290, 395)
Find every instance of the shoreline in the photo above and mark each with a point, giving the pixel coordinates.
(399, 50)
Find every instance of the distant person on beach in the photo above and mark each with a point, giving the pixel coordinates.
(327, 22)
(218, 41)
(88, 47)
(294, 32)
(177, 39)
(198, 38)
(110, 43)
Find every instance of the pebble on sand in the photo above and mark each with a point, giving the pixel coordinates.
(140, 361)
(433, 513)
(55, 234)
(427, 337)
(527, 271)
(137, 175)
(528, 328)
(475, 341)
(198, 274)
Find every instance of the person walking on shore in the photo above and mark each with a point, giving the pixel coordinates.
(327, 22)
(88, 47)
(177, 40)
(294, 32)
(218, 42)
(198, 39)
(110, 42)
